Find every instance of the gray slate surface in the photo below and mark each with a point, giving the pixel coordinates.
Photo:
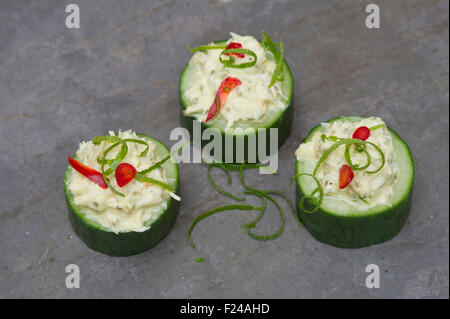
(121, 69)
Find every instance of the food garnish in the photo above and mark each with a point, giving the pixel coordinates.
(88, 172)
(267, 43)
(235, 45)
(346, 173)
(125, 172)
(222, 94)
(235, 49)
(345, 176)
(361, 133)
(229, 63)
(262, 194)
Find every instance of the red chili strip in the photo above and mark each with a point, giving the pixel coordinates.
(124, 174)
(345, 176)
(88, 172)
(235, 45)
(362, 133)
(222, 94)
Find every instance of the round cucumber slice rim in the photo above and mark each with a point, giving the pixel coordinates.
(402, 187)
(170, 169)
(268, 120)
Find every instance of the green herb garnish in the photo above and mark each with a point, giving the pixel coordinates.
(348, 159)
(271, 46)
(373, 128)
(215, 211)
(146, 179)
(382, 158)
(313, 200)
(349, 141)
(107, 139)
(161, 162)
(217, 188)
(133, 140)
(114, 164)
(361, 146)
(263, 194)
(230, 63)
(206, 47)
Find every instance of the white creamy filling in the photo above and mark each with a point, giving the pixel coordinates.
(143, 202)
(248, 102)
(365, 190)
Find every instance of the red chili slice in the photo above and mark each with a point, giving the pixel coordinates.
(362, 133)
(345, 176)
(88, 172)
(235, 45)
(222, 94)
(124, 174)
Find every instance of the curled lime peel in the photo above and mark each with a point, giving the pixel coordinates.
(230, 62)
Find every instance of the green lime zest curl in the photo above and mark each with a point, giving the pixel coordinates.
(348, 159)
(107, 139)
(246, 227)
(313, 200)
(288, 201)
(373, 128)
(271, 46)
(215, 211)
(348, 141)
(161, 162)
(97, 140)
(263, 194)
(383, 160)
(133, 140)
(203, 48)
(237, 167)
(329, 138)
(106, 161)
(361, 146)
(146, 179)
(115, 163)
(230, 63)
(217, 188)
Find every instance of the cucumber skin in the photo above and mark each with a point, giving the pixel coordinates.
(283, 124)
(356, 231)
(126, 243)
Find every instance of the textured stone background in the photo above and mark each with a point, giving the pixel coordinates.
(121, 69)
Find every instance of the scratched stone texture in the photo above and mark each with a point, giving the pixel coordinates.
(121, 70)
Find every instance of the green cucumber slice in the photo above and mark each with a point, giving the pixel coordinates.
(280, 119)
(338, 224)
(106, 241)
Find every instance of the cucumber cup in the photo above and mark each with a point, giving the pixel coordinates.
(279, 117)
(99, 237)
(337, 223)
